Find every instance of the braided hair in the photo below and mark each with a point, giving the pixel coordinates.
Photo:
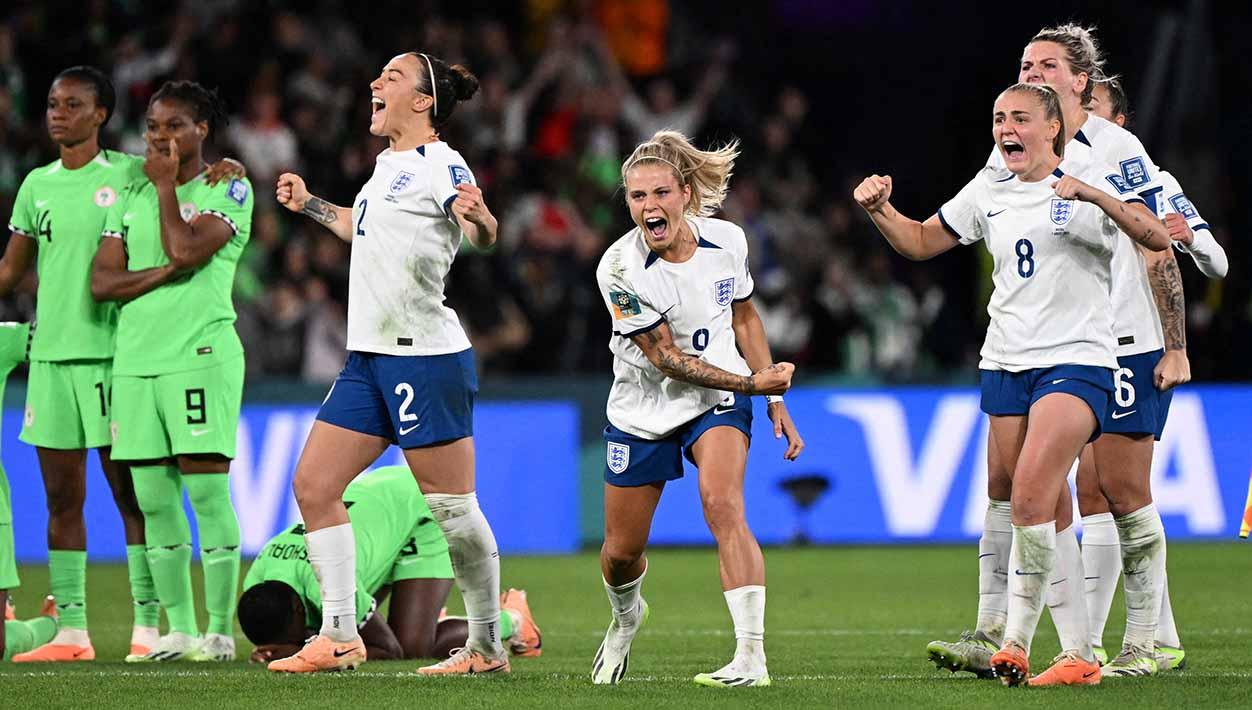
(106, 96)
(205, 104)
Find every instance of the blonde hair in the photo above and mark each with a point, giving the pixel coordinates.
(707, 172)
(1082, 52)
(1051, 103)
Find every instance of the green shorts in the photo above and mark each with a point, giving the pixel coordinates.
(8, 556)
(424, 556)
(67, 404)
(192, 412)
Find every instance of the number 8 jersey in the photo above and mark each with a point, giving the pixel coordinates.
(695, 299)
(1051, 303)
(404, 239)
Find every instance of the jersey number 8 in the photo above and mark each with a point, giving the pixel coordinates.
(1025, 258)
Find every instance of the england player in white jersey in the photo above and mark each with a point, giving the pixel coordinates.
(1101, 550)
(410, 378)
(1048, 358)
(1067, 59)
(689, 349)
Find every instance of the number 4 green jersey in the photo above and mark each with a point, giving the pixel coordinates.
(63, 210)
(188, 323)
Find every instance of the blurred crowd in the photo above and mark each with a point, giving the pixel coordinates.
(567, 90)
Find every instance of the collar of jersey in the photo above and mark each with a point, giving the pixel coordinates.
(1058, 173)
(701, 242)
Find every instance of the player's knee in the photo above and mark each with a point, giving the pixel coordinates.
(308, 493)
(722, 512)
(621, 554)
(1091, 502)
(66, 502)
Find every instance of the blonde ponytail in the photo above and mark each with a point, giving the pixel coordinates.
(706, 171)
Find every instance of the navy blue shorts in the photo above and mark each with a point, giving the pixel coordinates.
(1137, 406)
(634, 461)
(410, 400)
(1013, 393)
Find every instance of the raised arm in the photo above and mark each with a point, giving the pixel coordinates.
(471, 213)
(111, 281)
(17, 259)
(293, 195)
(911, 239)
(658, 346)
(1209, 256)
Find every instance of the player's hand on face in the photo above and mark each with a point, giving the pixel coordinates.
(1178, 228)
(469, 203)
(1071, 188)
(775, 379)
(291, 192)
(873, 192)
(1173, 369)
(161, 166)
(224, 169)
(783, 426)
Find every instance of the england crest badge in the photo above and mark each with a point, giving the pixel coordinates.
(724, 291)
(401, 181)
(1062, 211)
(618, 457)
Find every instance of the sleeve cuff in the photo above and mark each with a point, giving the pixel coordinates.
(953, 232)
(234, 229)
(642, 330)
(111, 234)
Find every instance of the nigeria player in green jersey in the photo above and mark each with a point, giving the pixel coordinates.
(401, 553)
(171, 244)
(55, 226)
(16, 636)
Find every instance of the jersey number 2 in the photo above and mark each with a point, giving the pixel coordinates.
(405, 390)
(360, 221)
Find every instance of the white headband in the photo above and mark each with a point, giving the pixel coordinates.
(434, 93)
(656, 157)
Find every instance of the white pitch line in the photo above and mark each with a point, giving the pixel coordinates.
(239, 670)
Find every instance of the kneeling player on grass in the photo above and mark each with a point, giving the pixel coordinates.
(401, 551)
(16, 636)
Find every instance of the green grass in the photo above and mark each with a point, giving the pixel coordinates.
(845, 627)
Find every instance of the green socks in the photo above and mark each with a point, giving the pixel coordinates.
(23, 636)
(67, 570)
(147, 608)
(506, 624)
(160, 494)
(219, 546)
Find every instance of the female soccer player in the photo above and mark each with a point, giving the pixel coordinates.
(687, 342)
(409, 379)
(56, 225)
(171, 246)
(1048, 358)
(1067, 59)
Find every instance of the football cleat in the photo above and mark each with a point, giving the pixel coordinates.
(1131, 663)
(1100, 654)
(739, 673)
(215, 647)
(1011, 665)
(57, 653)
(526, 640)
(465, 661)
(613, 656)
(1069, 668)
(321, 653)
(174, 646)
(971, 652)
(1170, 658)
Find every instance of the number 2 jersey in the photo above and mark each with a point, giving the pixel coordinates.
(695, 299)
(1051, 303)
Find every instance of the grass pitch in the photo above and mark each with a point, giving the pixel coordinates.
(845, 627)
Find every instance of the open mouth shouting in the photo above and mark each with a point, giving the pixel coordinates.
(658, 227)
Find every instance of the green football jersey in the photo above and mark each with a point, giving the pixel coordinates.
(63, 211)
(188, 323)
(384, 507)
(14, 341)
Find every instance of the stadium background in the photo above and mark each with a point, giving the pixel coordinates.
(820, 94)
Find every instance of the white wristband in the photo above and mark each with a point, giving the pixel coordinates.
(773, 398)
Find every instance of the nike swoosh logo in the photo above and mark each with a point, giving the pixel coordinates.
(1057, 382)
(200, 432)
(718, 409)
(1119, 415)
(986, 554)
(337, 654)
(127, 216)
(1059, 581)
(1088, 675)
(1095, 577)
(1025, 574)
(39, 204)
(992, 214)
(406, 431)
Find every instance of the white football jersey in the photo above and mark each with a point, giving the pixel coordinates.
(1209, 256)
(694, 298)
(1051, 304)
(403, 242)
(1137, 322)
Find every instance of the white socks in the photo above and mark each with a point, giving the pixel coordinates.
(476, 564)
(747, 611)
(1066, 602)
(1166, 629)
(1143, 566)
(625, 601)
(332, 553)
(1031, 561)
(993, 562)
(1102, 565)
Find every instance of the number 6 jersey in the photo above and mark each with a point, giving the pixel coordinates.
(1051, 303)
(695, 299)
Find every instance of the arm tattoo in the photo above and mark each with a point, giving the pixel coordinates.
(1139, 230)
(691, 369)
(1166, 282)
(320, 210)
